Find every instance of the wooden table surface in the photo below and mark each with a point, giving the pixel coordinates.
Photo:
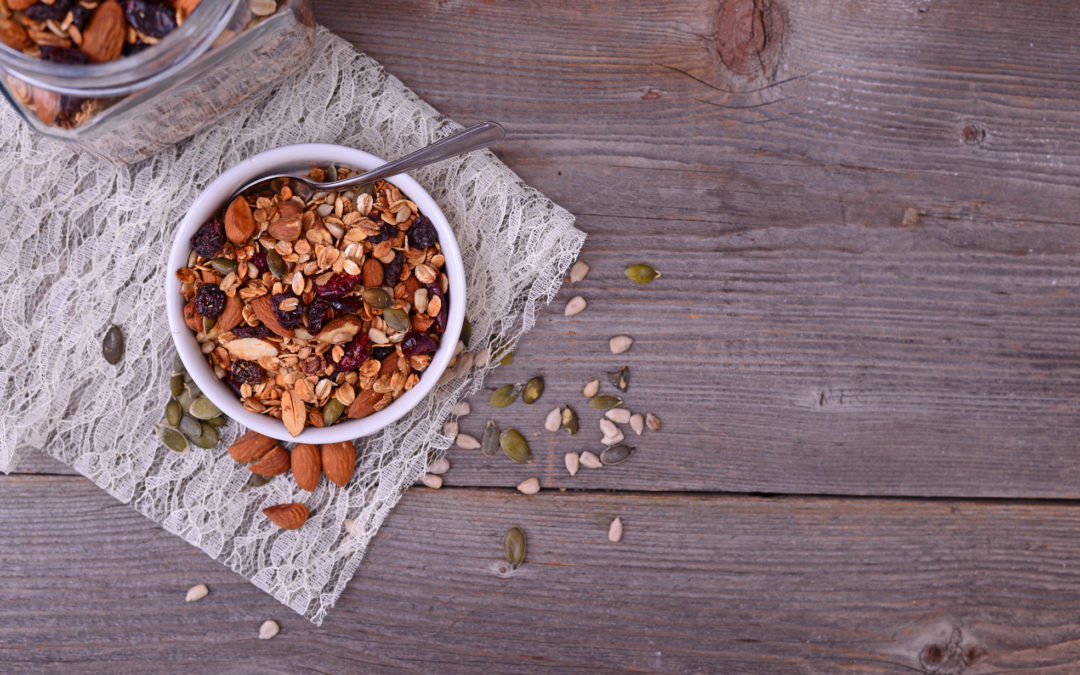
(865, 350)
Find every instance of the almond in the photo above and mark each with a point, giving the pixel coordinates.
(239, 223)
(286, 226)
(287, 516)
(306, 466)
(264, 310)
(191, 317)
(250, 447)
(364, 403)
(19, 5)
(103, 37)
(250, 349)
(293, 412)
(47, 107)
(339, 461)
(373, 273)
(340, 330)
(231, 316)
(184, 8)
(274, 463)
(14, 35)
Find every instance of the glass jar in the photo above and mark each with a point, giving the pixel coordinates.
(222, 56)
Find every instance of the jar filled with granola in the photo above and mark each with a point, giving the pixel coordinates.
(124, 78)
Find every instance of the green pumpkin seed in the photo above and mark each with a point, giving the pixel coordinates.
(172, 439)
(208, 324)
(507, 359)
(276, 265)
(378, 297)
(620, 378)
(466, 332)
(514, 445)
(177, 364)
(176, 384)
(173, 413)
(189, 426)
(514, 547)
(223, 266)
(367, 189)
(331, 175)
(257, 481)
(616, 454)
(218, 421)
(332, 411)
(641, 273)
(505, 395)
(569, 420)
(604, 402)
(208, 438)
(203, 409)
(533, 389)
(397, 319)
(112, 345)
(489, 442)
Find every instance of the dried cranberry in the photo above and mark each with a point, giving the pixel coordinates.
(338, 286)
(349, 305)
(247, 372)
(259, 331)
(416, 343)
(317, 313)
(79, 16)
(356, 352)
(63, 54)
(393, 271)
(422, 234)
(42, 12)
(70, 105)
(210, 301)
(149, 18)
(287, 318)
(388, 231)
(259, 261)
(380, 353)
(209, 239)
(440, 320)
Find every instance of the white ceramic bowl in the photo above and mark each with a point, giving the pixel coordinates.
(285, 159)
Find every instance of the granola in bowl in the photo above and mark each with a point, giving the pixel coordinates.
(317, 308)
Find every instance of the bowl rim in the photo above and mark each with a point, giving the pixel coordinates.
(203, 207)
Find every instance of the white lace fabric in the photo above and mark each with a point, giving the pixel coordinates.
(84, 244)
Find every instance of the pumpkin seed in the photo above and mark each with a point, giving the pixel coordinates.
(396, 319)
(224, 266)
(208, 324)
(378, 297)
(112, 345)
(173, 413)
(514, 445)
(505, 395)
(507, 360)
(218, 421)
(551, 422)
(190, 427)
(489, 442)
(614, 532)
(591, 389)
(203, 409)
(652, 421)
(620, 378)
(466, 331)
(533, 389)
(620, 343)
(258, 481)
(173, 439)
(514, 547)
(208, 438)
(177, 364)
(176, 384)
(276, 265)
(185, 398)
(616, 454)
(331, 176)
(641, 273)
(332, 411)
(569, 419)
(604, 402)
(578, 271)
(637, 423)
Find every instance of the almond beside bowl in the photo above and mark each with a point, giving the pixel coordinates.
(301, 158)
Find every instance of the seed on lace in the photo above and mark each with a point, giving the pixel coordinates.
(578, 271)
(439, 466)
(461, 409)
(432, 481)
(112, 345)
(450, 429)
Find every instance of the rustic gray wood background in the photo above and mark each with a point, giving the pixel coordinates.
(865, 350)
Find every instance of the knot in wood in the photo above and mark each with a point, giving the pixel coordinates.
(748, 34)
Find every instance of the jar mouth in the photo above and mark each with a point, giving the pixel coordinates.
(124, 75)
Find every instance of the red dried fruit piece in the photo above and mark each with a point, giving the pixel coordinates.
(338, 286)
(247, 372)
(416, 343)
(441, 319)
(210, 301)
(209, 239)
(357, 351)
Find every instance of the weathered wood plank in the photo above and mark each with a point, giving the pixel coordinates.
(699, 583)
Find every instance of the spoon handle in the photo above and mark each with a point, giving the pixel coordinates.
(473, 138)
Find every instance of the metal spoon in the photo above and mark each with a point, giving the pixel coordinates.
(472, 138)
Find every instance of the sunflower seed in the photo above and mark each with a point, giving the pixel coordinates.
(614, 531)
(529, 486)
(620, 378)
(652, 421)
(514, 547)
(604, 402)
(505, 395)
(637, 423)
(551, 422)
(467, 442)
(618, 415)
(576, 305)
(224, 266)
(432, 481)
(514, 445)
(275, 264)
(396, 319)
(450, 429)
(612, 439)
(489, 441)
(196, 593)
(591, 389)
(268, 629)
(641, 273)
(461, 409)
(173, 413)
(173, 439)
(620, 343)
(439, 466)
(482, 358)
(608, 427)
(377, 336)
(208, 438)
(534, 388)
(569, 420)
(332, 411)
(203, 409)
(589, 460)
(190, 427)
(572, 461)
(176, 384)
(112, 345)
(616, 454)
(578, 271)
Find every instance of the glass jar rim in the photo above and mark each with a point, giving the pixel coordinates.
(130, 73)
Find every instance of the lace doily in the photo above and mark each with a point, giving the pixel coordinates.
(84, 245)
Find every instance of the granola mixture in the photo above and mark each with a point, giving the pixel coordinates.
(318, 307)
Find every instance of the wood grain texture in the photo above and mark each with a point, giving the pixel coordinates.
(698, 583)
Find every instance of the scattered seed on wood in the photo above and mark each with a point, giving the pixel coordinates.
(641, 273)
(572, 461)
(534, 388)
(197, 592)
(551, 422)
(612, 439)
(620, 343)
(514, 445)
(569, 420)
(507, 359)
(461, 409)
(652, 421)
(604, 402)
(616, 454)
(112, 345)
(432, 481)
(450, 429)
(608, 427)
(576, 305)
(268, 629)
(637, 423)
(489, 443)
(529, 486)
(589, 460)
(614, 531)
(579, 271)
(514, 547)
(467, 442)
(439, 466)
(505, 395)
(618, 415)
(591, 389)
(620, 378)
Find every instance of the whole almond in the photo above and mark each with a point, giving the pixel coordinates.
(273, 463)
(14, 35)
(47, 106)
(293, 412)
(239, 223)
(231, 316)
(251, 446)
(373, 273)
(103, 37)
(287, 516)
(264, 311)
(364, 404)
(286, 226)
(339, 461)
(191, 317)
(19, 5)
(306, 466)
